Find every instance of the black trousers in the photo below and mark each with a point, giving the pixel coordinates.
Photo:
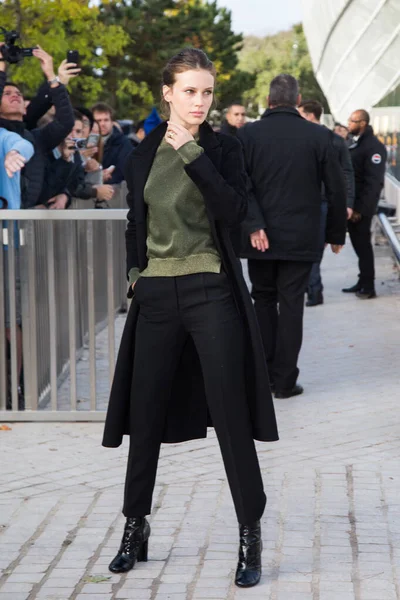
(172, 308)
(278, 288)
(360, 235)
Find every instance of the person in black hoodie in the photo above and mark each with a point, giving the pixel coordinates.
(12, 111)
(288, 159)
(117, 147)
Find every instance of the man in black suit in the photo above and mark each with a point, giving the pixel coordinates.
(288, 159)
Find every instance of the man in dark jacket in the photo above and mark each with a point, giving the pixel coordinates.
(235, 118)
(288, 159)
(368, 156)
(117, 147)
(312, 111)
(12, 111)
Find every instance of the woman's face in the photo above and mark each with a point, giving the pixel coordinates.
(190, 97)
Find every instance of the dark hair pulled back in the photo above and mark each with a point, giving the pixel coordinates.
(187, 59)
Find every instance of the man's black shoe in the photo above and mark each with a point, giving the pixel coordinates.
(364, 294)
(295, 391)
(315, 300)
(353, 289)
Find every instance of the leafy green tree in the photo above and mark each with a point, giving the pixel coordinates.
(124, 44)
(158, 29)
(59, 26)
(285, 52)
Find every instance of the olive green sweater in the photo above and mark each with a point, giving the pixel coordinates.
(179, 240)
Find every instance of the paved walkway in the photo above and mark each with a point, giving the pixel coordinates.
(332, 525)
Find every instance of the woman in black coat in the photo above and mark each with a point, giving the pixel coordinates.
(191, 354)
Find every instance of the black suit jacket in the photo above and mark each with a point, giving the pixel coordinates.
(288, 159)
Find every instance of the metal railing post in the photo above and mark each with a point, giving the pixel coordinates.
(13, 315)
(71, 246)
(91, 314)
(3, 371)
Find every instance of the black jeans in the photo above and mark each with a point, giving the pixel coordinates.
(278, 288)
(172, 308)
(360, 235)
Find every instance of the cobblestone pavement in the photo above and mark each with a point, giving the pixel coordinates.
(332, 525)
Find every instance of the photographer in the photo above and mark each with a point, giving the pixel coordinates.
(117, 147)
(65, 170)
(12, 112)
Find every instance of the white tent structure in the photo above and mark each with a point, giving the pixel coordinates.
(355, 50)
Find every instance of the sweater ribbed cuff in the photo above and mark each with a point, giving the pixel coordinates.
(190, 151)
(133, 275)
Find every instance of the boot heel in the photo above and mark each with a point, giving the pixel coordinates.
(142, 554)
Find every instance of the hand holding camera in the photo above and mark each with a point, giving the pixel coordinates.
(67, 71)
(10, 52)
(3, 66)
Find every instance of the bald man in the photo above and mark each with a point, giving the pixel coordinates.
(368, 156)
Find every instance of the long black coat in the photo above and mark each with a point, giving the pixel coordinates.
(288, 158)
(219, 174)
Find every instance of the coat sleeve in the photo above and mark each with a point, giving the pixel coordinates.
(335, 191)
(124, 150)
(54, 133)
(38, 107)
(224, 192)
(254, 220)
(373, 180)
(13, 141)
(348, 171)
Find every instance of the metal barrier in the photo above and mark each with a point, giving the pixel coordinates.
(390, 226)
(72, 271)
(391, 237)
(392, 193)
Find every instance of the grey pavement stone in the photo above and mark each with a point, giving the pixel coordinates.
(331, 528)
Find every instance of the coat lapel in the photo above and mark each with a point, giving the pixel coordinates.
(209, 141)
(142, 161)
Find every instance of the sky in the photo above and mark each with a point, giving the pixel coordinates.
(261, 17)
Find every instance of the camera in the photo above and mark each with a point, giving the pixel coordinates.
(77, 143)
(11, 53)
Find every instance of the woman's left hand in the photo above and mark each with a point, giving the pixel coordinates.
(177, 135)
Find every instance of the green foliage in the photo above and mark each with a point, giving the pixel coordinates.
(158, 29)
(124, 45)
(59, 26)
(285, 52)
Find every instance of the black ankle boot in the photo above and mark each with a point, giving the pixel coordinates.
(248, 571)
(133, 546)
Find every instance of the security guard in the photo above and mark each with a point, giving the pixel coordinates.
(368, 156)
